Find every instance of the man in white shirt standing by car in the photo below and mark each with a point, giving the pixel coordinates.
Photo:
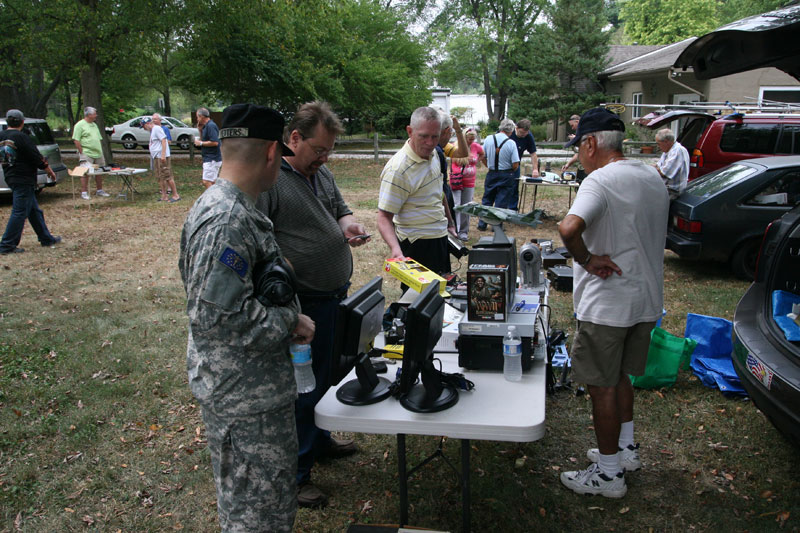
(673, 164)
(615, 232)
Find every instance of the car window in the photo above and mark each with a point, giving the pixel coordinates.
(719, 180)
(789, 143)
(175, 122)
(784, 191)
(135, 123)
(691, 133)
(39, 131)
(750, 138)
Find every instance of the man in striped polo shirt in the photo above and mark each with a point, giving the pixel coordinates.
(412, 218)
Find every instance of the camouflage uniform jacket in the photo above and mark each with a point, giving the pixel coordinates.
(238, 351)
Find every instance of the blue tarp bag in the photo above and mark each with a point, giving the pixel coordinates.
(781, 306)
(711, 360)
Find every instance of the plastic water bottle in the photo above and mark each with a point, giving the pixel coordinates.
(512, 355)
(303, 373)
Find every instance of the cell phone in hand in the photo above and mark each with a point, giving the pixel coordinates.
(362, 237)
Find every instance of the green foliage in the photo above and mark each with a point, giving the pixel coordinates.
(483, 40)
(667, 21)
(557, 73)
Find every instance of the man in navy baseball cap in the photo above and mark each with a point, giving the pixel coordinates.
(596, 119)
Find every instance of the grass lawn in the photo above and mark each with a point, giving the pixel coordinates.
(99, 431)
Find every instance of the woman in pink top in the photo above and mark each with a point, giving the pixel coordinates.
(462, 181)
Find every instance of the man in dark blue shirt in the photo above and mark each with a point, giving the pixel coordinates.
(209, 146)
(20, 171)
(524, 140)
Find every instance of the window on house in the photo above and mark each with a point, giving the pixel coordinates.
(637, 102)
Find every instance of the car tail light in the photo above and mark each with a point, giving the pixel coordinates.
(689, 226)
(112, 131)
(764, 239)
(697, 160)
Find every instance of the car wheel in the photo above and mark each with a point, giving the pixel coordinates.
(744, 258)
(129, 142)
(183, 142)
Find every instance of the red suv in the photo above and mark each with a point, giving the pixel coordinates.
(714, 142)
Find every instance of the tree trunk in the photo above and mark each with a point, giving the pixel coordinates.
(375, 144)
(167, 103)
(40, 106)
(68, 104)
(92, 96)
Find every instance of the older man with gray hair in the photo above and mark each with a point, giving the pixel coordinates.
(615, 232)
(411, 212)
(673, 166)
(501, 157)
(89, 142)
(209, 147)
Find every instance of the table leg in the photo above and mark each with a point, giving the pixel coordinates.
(465, 496)
(535, 190)
(522, 195)
(401, 466)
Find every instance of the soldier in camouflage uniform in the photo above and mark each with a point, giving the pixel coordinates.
(238, 358)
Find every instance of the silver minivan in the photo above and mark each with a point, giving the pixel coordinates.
(38, 129)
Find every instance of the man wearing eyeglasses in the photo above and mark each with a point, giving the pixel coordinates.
(315, 230)
(615, 232)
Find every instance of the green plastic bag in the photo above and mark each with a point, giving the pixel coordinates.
(667, 353)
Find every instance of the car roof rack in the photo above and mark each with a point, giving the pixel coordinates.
(719, 108)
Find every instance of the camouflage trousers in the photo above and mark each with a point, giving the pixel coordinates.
(255, 462)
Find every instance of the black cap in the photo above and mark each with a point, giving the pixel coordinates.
(253, 122)
(14, 117)
(596, 119)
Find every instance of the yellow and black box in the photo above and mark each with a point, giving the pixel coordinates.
(415, 275)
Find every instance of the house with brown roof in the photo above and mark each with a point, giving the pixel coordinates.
(643, 75)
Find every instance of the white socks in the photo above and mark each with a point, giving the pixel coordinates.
(626, 435)
(609, 464)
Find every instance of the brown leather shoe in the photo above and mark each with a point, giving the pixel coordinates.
(309, 495)
(340, 448)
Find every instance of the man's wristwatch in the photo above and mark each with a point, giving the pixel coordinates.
(586, 261)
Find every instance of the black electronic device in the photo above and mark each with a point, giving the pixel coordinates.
(424, 320)
(358, 320)
(456, 247)
(275, 282)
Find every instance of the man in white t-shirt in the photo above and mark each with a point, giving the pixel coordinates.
(615, 232)
(159, 154)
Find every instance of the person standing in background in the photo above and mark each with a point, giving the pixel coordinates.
(89, 142)
(209, 147)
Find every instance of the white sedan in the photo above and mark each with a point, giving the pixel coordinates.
(131, 133)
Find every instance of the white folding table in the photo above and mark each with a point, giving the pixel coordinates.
(495, 410)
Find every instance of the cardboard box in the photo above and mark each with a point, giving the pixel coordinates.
(487, 293)
(415, 275)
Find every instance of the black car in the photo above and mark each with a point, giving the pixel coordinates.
(767, 363)
(722, 215)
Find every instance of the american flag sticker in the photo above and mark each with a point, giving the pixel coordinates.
(234, 261)
(759, 370)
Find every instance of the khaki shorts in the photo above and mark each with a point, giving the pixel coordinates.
(601, 354)
(91, 161)
(163, 169)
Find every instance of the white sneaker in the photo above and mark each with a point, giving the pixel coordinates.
(594, 481)
(628, 457)
(85, 195)
(101, 192)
